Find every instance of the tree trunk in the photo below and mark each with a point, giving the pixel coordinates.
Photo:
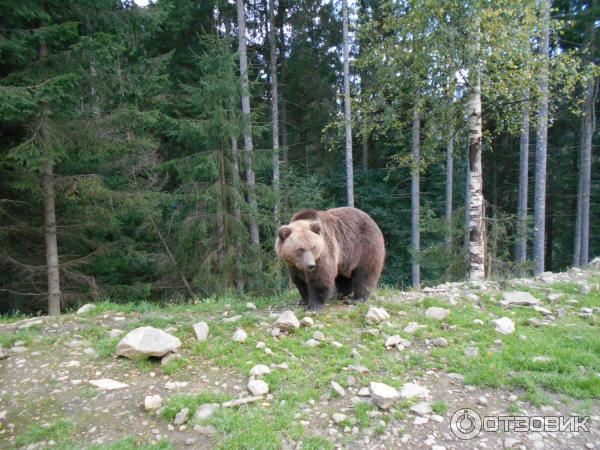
(52, 264)
(541, 149)
(274, 111)
(476, 200)
(467, 203)
(521, 243)
(577, 234)
(416, 198)
(237, 214)
(347, 110)
(248, 145)
(449, 190)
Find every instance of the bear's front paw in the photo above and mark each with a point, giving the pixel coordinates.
(315, 307)
(303, 302)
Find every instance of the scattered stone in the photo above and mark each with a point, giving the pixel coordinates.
(147, 341)
(518, 298)
(336, 344)
(205, 411)
(107, 384)
(440, 342)
(319, 336)
(86, 309)
(364, 392)
(478, 322)
(420, 420)
(239, 335)
(18, 349)
(205, 430)
(338, 418)
(522, 337)
(241, 401)
(3, 353)
(307, 322)
(115, 332)
(259, 370)
(275, 332)
(268, 351)
(504, 325)
(170, 385)
(312, 343)
(152, 402)
(287, 321)
(260, 344)
(456, 377)
(382, 395)
(372, 331)
(410, 390)
(360, 369)
(471, 352)
(250, 305)
(542, 310)
(169, 357)
(483, 401)
(437, 418)
(376, 315)
(283, 366)
(258, 387)
(537, 323)
(585, 289)
(339, 389)
(421, 408)
(411, 328)
(202, 330)
(437, 313)
(554, 297)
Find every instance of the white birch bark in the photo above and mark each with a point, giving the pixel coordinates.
(274, 111)
(416, 198)
(347, 110)
(521, 242)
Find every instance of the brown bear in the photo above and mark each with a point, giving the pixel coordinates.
(339, 248)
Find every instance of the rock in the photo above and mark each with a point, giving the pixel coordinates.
(147, 341)
(542, 310)
(336, 344)
(471, 352)
(205, 411)
(319, 336)
(360, 369)
(420, 420)
(411, 328)
(259, 370)
(504, 325)
(421, 408)
(275, 332)
(18, 349)
(338, 417)
(115, 332)
(287, 321)
(3, 353)
(478, 322)
(312, 343)
(182, 416)
(437, 313)
(232, 319)
(518, 298)
(169, 357)
(410, 390)
(339, 389)
(376, 315)
(239, 335)
(541, 359)
(250, 305)
(241, 401)
(86, 309)
(170, 385)
(585, 289)
(561, 312)
(260, 344)
(440, 342)
(258, 387)
(107, 384)
(554, 297)
(205, 430)
(382, 395)
(364, 392)
(456, 377)
(152, 402)
(307, 322)
(372, 331)
(202, 330)
(482, 401)
(537, 323)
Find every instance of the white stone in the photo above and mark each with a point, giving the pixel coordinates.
(312, 343)
(478, 322)
(319, 336)
(86, 309)
(437, 313)
(170, 385)
(382, 395)
(287, 321)
(239, 335)
(482, 401)
(152, 402)
(440, 342)
(364, 392)
(518, 298)
(376, 315)
(504, 325)
(411, 328)
(339, 389)
(338, 417)
(250, 305)
(259, 370)
(202, 330)
(420, 420)
(421, 408)
(182, 416)
(205, 411)
(115, 332)
(169, 357)
(107, 384)
(258, 387)
(307, 322)
(147, 341)
(410, 390)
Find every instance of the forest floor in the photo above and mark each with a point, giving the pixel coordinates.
(549, 366)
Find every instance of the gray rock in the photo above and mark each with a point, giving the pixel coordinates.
(182, 416)
(376, 315)
(258, 387)
(411, 328)
(456, 377)
(437, 313)
(147, 341)
(169, 357)
(152, 402)
(585, 289)
(360, 369)
(421, 408)
(107, 384)
(202, 330)
(411, 390)
(205, 411)
(504, 325)
(115, 332)
(319, 336)
(250, 306)
(259, 370)
(287, 321)
(483, 401)
(338, 417)
(239, 335)
(518, 298)
(440, 342)
(382, 395)
(307, 322)
(86, 309)
(312, 343)
(3, 353)
(339, 389)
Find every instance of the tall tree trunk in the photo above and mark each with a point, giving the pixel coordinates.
(237, 214)
(416, 198)
(52, 264)
(521, 242)
(274, 110)
(541, 149)
(467, 203)
(449, 190)
(347, 110)
(476, 200)
(248, 145)
(577, 231)
(588, 122)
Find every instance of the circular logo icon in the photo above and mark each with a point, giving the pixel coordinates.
(465, 423)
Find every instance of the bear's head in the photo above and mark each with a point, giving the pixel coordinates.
(300, 244)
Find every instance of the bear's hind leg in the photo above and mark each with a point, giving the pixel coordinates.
(343, 286)
(364, 284)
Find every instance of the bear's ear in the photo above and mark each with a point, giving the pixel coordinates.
(315, 227)
(283, 232)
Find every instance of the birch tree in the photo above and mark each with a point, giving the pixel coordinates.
(521, 243)
(347, 109)
(416, 198)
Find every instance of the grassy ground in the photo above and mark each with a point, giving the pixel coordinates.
(547, 365)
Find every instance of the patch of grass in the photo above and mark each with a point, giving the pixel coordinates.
(132, 443)
(439, 407)
(317, 443)
(513, 408)
(175, 365)
(27, 335)
(58, 431)
(361, 411)
(178, 402)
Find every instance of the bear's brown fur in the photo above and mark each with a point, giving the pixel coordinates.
(339, 248)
